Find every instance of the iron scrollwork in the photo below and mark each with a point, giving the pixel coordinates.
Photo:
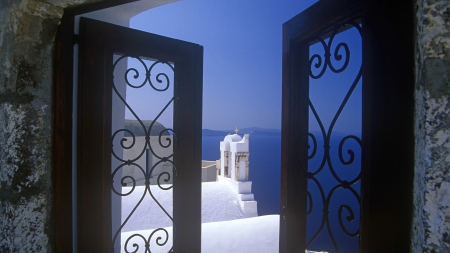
(159, 240)
(160, 236)
(321, 64)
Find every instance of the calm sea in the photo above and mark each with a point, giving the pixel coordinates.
(264, 171)
(265, 159)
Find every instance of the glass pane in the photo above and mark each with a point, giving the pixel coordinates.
(142, 154)
(334, 166)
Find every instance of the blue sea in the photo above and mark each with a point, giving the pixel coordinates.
(264, 170)
(265, 163)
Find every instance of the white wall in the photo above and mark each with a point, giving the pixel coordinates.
(139, 150)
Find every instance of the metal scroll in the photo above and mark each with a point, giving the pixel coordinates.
(147, 140)
(334, 158)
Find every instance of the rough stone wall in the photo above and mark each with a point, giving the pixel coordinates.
(27, 32)
(431, 218)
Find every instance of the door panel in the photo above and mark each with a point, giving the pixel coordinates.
(123, 153)
(321, 139)
(142, 152)
(334, 139)
(386, 140)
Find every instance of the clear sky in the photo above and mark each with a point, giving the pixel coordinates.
(242, 54)
(328, 92)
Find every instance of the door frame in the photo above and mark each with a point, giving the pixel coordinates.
(62, 122)
(382, 20)
(388, 113)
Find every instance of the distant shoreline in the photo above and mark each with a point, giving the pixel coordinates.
(264, 131)
(250, 130)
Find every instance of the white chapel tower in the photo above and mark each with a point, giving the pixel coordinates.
(234, 153)
(234, 168)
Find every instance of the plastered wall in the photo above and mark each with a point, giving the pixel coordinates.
(431, 218)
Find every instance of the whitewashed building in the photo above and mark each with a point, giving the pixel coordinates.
(234, 168)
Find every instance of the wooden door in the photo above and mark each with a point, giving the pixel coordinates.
(375, 215)
(105, 77)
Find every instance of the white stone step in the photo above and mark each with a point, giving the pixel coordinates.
(246, 197)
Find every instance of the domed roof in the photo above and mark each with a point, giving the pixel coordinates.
(232, 138)
(136, 128)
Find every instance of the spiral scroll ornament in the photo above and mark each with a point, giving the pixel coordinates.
(136, 78)
(329, 199)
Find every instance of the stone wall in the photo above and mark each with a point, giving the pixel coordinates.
(27, 32)
(431, 222)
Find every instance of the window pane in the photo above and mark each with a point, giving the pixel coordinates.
(142, 154)
(334, 165)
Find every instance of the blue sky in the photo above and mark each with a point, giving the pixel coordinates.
(242, 54)
(328, 92)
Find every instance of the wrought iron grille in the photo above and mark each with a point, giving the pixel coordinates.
(333, 198)
(125, 183)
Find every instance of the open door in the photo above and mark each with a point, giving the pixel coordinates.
(347, 135)
(321, 138)
(128, 149)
